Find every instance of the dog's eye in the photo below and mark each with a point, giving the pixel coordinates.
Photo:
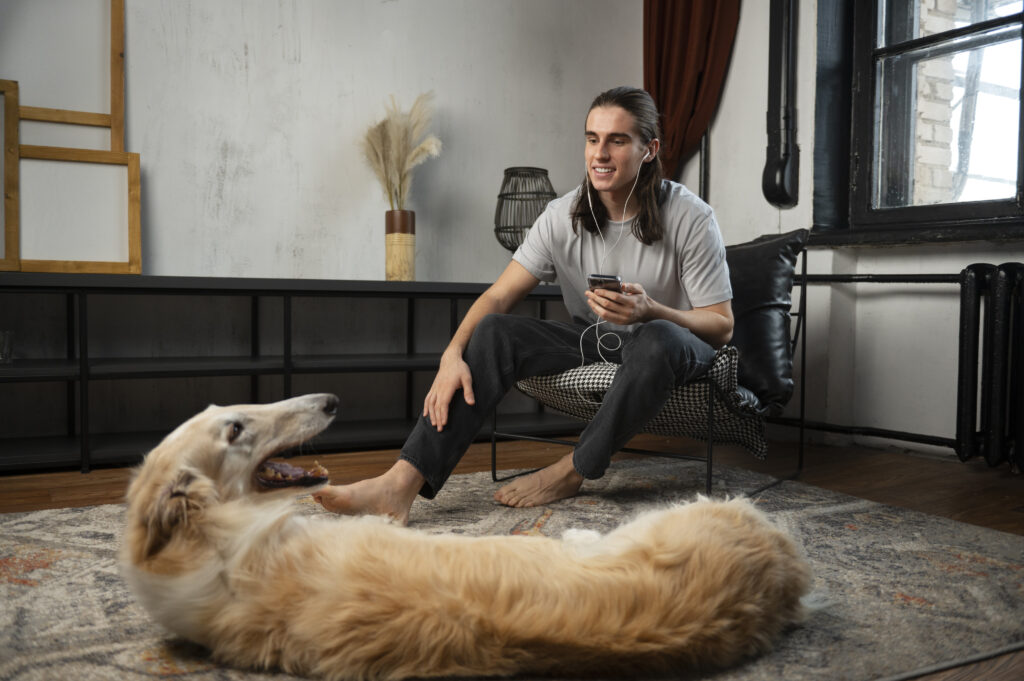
(234, 431)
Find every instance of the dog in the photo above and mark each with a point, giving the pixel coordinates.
(214, 550)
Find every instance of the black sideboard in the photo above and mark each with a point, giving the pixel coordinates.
(103, 333)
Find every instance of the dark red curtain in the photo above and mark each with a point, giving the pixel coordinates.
(687, 44)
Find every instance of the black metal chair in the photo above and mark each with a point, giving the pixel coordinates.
(750, 380)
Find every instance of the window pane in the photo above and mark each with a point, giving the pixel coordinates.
(947, 126)
(902, 20)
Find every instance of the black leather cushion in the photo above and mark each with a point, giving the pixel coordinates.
(761, 272)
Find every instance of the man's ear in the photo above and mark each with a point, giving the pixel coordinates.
(188, 493)
(652, 149)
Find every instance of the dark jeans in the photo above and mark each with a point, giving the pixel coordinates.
(655, 358)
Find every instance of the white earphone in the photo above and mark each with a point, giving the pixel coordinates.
(600, 337)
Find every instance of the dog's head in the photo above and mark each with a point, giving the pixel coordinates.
(217, 456)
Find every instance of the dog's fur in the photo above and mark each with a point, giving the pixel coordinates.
(220, 560)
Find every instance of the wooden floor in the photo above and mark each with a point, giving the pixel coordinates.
(971, 493)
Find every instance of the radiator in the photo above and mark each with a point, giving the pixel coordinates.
(991, 365)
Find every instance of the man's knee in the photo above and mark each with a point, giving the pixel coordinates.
(486, 336)
(661, 345)
(660, 336)
(496, 327)
(495, 335)
(489, 325)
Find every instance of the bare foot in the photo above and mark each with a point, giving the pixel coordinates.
(558, 481)
(390, 494)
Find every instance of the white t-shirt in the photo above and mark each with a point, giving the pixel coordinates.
(686, 268)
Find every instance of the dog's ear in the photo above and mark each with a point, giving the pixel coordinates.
(186, 494)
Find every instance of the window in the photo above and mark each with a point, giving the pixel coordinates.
(936, 118)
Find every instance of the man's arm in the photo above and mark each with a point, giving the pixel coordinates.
(713, 324)
(453, 373)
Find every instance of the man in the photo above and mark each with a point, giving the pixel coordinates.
(666, 322)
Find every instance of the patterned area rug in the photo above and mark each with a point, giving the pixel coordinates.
(894, 590)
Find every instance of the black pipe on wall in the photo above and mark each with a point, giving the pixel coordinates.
(780, 179)
(832, 102)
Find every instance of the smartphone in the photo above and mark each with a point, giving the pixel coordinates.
(611, 282)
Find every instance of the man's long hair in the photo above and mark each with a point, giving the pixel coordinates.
(647, 226)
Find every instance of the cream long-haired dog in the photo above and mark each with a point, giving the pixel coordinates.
(214, 550)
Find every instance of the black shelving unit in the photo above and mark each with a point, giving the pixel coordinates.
(78, 369)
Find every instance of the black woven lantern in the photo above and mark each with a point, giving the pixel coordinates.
(524, 194)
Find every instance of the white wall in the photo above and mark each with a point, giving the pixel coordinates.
(249, 118)
(879, 356)
(58, 51)
(738, 137)
(248, 115)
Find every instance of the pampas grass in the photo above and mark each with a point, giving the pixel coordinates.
(399, 143)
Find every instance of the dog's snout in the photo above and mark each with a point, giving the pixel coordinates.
(331, 405)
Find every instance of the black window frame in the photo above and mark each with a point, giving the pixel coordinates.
(845, 142)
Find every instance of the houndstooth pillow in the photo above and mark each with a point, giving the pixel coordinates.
(578, 392)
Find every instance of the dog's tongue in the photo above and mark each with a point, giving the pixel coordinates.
(281, 474)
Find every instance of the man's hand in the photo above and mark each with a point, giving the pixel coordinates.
(453, 374)
(631, 306)
(712, 323)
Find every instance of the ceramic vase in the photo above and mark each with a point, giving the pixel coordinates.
(400, 245)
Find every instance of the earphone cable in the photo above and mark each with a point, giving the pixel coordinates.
(598, 336)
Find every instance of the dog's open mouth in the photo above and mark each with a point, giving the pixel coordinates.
(277, 474)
